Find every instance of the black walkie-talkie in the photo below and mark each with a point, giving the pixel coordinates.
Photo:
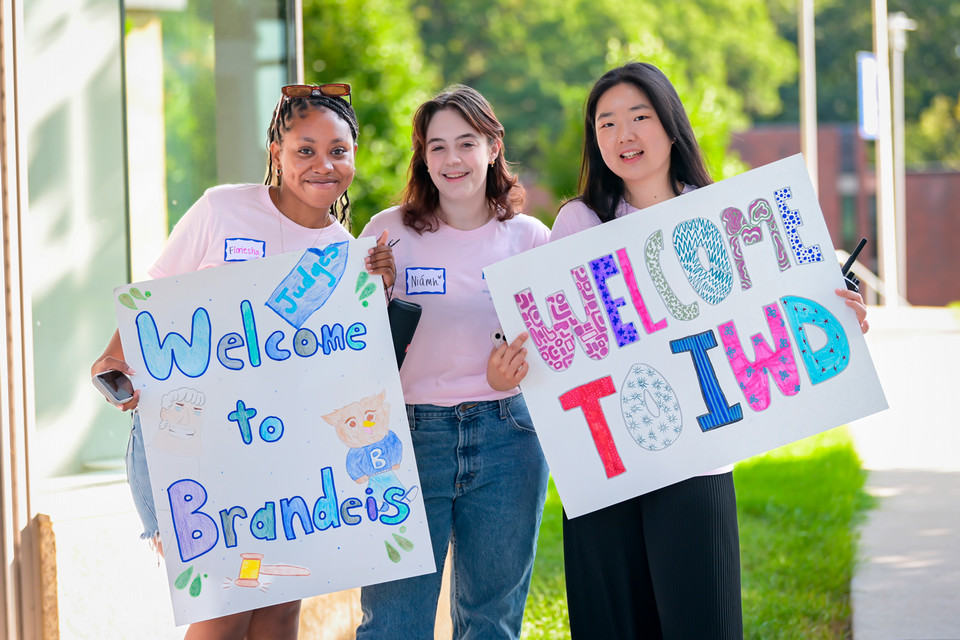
(852, 282)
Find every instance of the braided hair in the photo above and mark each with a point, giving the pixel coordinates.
(282, 122)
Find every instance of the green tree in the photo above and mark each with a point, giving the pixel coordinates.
(535, 60)
(932, 59)
(932, 83)
(523, 56)
(931, 63)
(189, 106)
(373, 45)
(935, 136)
(841, 29)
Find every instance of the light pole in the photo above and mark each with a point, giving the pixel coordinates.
(898, 24)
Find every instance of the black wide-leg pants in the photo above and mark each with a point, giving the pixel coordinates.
(664, 565)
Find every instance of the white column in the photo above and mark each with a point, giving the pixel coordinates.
(146, 141)
(899, 24)
(886, 218)
(808, 90)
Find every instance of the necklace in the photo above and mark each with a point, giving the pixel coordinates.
(281, 216)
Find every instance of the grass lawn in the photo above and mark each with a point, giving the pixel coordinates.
(798, 511)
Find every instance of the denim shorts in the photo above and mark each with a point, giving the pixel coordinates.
(138, 477)
(483, 481)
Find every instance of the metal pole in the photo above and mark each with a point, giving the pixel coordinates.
(886, 221)
(808, 91)
(899, 24)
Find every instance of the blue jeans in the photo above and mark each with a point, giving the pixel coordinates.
(138, 477)
(483, 479)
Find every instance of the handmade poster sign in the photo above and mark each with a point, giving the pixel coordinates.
(275, 430)
(685, 337)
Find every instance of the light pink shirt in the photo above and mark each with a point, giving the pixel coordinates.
(576, 216)
(235, 223)
(446, 363)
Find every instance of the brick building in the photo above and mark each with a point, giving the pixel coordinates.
(848, 199)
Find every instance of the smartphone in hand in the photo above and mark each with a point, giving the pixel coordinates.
(114, 385)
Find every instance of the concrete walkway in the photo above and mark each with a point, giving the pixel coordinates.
(908, 584)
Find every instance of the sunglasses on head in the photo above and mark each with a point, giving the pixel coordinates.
(331, 90)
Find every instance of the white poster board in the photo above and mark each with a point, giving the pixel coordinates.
(676, 340)
(275, 430)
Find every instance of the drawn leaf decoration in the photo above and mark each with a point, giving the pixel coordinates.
(195, 586)
(391, 552)
(403, 543)
(183, 578)
(127, 301)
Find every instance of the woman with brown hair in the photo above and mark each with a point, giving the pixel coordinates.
(482, 474)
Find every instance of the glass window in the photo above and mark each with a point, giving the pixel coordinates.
(202, 79)
(157, 101)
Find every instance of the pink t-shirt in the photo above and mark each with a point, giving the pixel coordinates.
(576, 216)
(235, 223)
(446, 363)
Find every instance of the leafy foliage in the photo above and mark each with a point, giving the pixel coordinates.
(935, 136)
(931, 68)
(189, 107)
(535, 61)
(932, 59)
(932, 83)
(373, 45)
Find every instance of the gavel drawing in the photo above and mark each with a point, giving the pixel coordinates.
(252, 567)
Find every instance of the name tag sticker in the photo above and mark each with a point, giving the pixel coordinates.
(426, 280)
(241, 249)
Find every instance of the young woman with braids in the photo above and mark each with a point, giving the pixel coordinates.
(303, 203)
(482, 474)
